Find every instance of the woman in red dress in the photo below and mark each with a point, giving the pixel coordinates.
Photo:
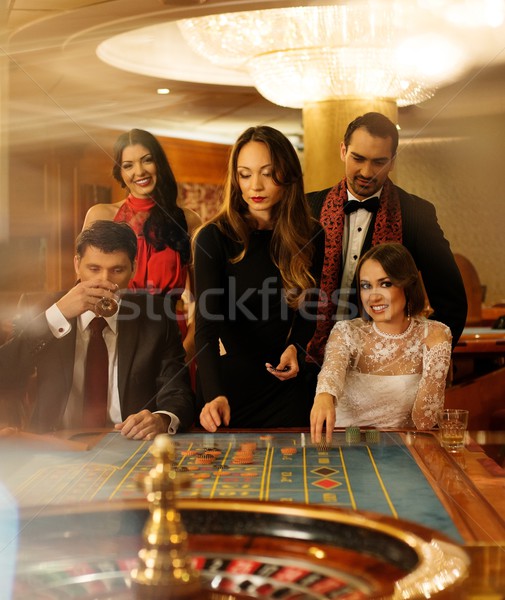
(163, 228)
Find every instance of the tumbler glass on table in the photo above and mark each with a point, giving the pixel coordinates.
(452, 424)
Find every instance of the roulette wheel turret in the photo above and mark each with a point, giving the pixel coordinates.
(165, 570)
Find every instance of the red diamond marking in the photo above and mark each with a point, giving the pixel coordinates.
(327, 484)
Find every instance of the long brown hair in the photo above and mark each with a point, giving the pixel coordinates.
(166, 225)
(293, 227)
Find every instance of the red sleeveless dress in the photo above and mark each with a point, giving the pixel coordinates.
(158, 271)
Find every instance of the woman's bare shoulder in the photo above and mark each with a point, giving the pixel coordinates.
(99, 212)
(193, 220)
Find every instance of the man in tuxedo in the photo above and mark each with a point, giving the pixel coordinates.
(366, 208)
(135, 363)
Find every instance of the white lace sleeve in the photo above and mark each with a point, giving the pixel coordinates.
(431, 392)
(336, 360)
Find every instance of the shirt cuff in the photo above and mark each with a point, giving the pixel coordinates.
(174, 421)
(58, 325)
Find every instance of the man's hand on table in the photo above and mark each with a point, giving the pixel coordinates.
(144, 425)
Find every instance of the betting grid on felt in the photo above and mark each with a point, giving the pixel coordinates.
(382, 477)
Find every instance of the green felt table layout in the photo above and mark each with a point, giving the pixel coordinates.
(382, 477)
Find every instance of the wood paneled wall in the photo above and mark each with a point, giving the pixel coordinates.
(51, 190)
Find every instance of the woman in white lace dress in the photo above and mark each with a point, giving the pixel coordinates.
(388, 369)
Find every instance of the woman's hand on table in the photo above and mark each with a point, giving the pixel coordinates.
(322, 413)
(215, 413)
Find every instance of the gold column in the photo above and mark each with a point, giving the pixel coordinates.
(324, 125)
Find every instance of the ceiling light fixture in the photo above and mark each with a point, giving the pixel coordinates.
(389, 49)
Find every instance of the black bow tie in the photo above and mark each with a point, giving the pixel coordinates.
(372, 205)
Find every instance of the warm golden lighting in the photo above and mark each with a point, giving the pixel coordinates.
(396, 51)
(468, 13)
(317, 553)
(388, 49)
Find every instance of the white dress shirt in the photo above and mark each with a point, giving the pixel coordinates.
(60, 327)
(356, 227)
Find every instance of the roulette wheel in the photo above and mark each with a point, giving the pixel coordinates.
(243, 549)
(226, 549)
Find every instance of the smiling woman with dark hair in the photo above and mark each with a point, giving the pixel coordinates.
(388, 368)
(163, 228)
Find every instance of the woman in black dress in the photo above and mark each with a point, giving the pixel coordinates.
(257, 269)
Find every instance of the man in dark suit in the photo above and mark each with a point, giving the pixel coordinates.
(353, 224)
(146, 383)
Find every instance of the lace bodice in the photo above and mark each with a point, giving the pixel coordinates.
(386, 380)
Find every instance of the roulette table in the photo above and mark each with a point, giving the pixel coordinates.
(381, 477)
(268, 515)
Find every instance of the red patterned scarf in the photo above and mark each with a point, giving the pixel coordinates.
(388, 228)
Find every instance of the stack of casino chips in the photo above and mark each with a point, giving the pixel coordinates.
(372, 436)
(352, 434)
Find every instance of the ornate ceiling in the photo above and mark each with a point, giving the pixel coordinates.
(59, 90)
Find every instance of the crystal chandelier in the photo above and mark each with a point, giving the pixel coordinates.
(390, 49)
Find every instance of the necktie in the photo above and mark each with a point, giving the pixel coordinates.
(372, 205)
(96, 376)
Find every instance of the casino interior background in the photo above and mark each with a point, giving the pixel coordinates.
(61, 108)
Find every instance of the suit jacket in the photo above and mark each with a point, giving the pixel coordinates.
(424, 238)
(151, 370)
